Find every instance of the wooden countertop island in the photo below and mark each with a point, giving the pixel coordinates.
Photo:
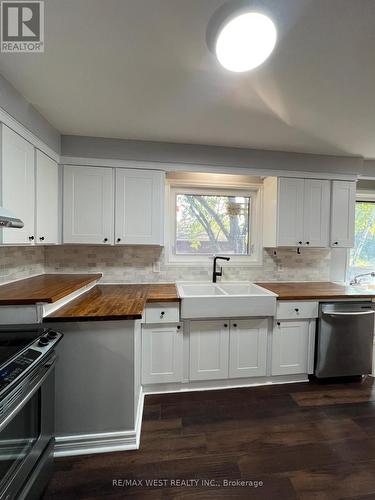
(114, 302)
(47, 288)
(319, 290)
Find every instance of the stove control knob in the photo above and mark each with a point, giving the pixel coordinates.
(51, 335)
(43, 341)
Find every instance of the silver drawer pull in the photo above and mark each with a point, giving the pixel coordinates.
(348, 313)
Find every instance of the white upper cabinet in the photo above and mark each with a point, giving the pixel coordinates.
(139, 207)
(18, 185)
(290, 212)
(296, 212)
(88, 205)
(343, 213)
(93, 215)
(47, 194)
(316, 208)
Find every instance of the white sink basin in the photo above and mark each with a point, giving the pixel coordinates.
(201, 290)
(243, 289)
(225, 300)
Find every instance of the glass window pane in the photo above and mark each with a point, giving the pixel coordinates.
(362, 256)
(207, 224)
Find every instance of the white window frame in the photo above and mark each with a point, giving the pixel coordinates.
(361, 195)
(254, 191)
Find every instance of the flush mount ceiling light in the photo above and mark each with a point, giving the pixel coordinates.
(242, 40)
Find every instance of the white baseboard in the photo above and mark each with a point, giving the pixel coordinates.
(87, 444)
(210, 385)
(138, 420)
(104, 442)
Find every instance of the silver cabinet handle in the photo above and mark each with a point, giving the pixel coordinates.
(348, 313)
(14, 408)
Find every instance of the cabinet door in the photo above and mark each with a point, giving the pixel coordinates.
(209, 350)
(248, 348)
(18, 186)
(316, 213)
(161, 354)
(47, 194)
(88, 205)
(290, 212)
(343, 214)
(139, 207)
(290, 347)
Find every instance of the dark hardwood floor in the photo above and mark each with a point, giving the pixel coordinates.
(294, 441)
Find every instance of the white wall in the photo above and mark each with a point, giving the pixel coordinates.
(95, 368)
(22, 111)
(201, 155)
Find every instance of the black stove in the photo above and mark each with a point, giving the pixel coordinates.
(21, 348)
(27, 406)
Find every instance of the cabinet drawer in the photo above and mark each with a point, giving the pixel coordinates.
(296, 309)
(167, 312)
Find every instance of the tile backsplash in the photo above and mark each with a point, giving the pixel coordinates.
(134, 264)
(20, 262)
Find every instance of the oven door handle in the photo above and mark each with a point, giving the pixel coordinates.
(33, 385)
(359, 313)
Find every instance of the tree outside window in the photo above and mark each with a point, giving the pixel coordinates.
(208, 224)
(362, 256)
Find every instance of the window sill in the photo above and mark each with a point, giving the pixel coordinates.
(208, 262)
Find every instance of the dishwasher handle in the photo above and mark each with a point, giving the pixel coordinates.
(359, 313)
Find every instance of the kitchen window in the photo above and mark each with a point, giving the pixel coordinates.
(206, 221)
(362, 256)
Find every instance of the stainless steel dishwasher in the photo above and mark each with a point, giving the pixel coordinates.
(345, 339)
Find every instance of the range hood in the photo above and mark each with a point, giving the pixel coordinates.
(8, 219)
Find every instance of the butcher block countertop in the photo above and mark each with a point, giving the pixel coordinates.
(163, 292)
(114, 302)
(319, 290)
(46, 288)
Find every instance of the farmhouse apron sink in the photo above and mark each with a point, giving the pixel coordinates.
(225, 300)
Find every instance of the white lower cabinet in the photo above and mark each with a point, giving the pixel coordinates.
(290, 347)
(248, 348)
(161, 353)
(223, 349)
(209, 349)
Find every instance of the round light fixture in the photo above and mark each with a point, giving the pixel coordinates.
(245, 41)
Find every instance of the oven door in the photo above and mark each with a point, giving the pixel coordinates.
(26, 430)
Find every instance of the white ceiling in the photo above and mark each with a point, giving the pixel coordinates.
(140, 69)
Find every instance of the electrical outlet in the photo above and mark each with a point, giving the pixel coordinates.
(156, 267)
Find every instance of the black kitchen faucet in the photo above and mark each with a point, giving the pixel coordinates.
(216, 273)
